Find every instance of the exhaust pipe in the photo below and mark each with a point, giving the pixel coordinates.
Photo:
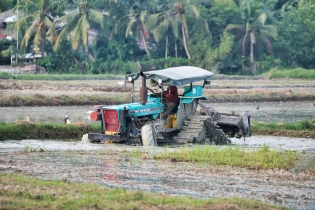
(143, 90)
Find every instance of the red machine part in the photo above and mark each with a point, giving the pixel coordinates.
(96, 116)
(111, 120)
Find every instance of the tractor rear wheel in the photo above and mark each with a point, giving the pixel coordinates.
(148, 135)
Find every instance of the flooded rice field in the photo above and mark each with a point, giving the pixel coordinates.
(263, 112)
(110, 165)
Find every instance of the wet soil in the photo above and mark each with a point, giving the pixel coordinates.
(115, 166)
(77, 92)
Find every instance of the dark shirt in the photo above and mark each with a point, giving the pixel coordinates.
(171, 94)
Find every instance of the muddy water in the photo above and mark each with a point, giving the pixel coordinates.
(110, 165)
(264, 112)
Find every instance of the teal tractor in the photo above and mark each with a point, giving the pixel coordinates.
(191, 121)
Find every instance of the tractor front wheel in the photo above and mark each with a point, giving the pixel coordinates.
(148, 135)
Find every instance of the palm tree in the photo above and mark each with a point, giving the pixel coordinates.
(255, 20)
(77, 26)
(160, 22)
(37, 17)
(176, 16)
(137, 18)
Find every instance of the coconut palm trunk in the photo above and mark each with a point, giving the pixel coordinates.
(175, 49)
(252, 42)
(184, 40)
(166, 46)
(42, 47)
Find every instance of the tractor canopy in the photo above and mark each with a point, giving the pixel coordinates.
(176, 76)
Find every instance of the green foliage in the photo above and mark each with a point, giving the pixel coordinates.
(293, 73)
(262, 158)
(6, 5)
(303, 125)
(4, 45)
(34, 193)
(198, 30)
(61, 61)
(295, 45)
(20, 131)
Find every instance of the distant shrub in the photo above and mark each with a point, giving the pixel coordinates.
(292, 73)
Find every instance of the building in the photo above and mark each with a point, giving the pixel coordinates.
(6, 18)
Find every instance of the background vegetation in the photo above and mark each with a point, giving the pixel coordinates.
(245, 37)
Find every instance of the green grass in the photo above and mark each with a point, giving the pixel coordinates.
(264, 158)
(303, 125)
(61, 76)
(20, 192)
(292, 73)
(45, 131)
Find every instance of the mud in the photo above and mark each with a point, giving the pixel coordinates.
(113, 165)
(267, 112)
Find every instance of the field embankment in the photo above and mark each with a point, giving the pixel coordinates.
(24, 130)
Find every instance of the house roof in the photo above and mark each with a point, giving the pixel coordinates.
(5, 15)
(2, 36)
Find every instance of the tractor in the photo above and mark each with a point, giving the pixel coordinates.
(191, 121)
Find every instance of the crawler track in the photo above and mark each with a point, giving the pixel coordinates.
(201, 129)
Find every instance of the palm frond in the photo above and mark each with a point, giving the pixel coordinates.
(28, 34)
(159, 30)
(129, 26)
(95, 17)
(85, 26)
(175, 25)
(195, 11)
(268, 43)
(65, 32)
(76, 37)
(270, 30)
(24, 21)
(39, 36)
(262, 18)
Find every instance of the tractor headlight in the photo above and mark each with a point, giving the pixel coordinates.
(130, 79)
(160, 81)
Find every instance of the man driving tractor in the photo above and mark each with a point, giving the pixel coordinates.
(171, 99)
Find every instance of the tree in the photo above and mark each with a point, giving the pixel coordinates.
(77, 26)
(137, 19)
(160, 22)
(5, 5)
(176, 16)
(296, 42)
(255, 21)
(37, 17)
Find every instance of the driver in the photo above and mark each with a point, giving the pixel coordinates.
(172, 99)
